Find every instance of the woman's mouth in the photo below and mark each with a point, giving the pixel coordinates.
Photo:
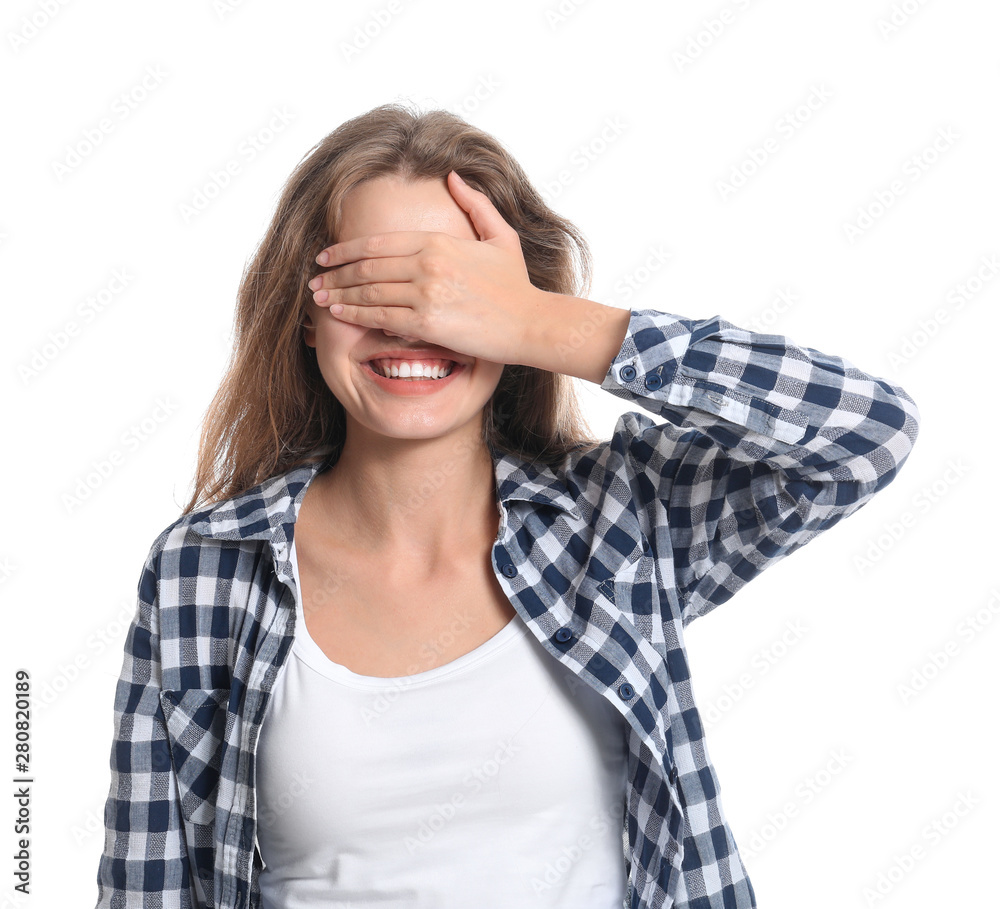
(397, 368)
(412, 377)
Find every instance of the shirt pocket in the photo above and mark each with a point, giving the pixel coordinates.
(196, 725)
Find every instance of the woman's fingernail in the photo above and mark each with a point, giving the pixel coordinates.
(322, 258)
(460, 180)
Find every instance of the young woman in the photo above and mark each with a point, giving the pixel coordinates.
(417, 638)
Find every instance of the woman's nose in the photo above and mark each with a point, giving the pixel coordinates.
(393, 334)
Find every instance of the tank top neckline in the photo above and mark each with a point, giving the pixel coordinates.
(311, 654)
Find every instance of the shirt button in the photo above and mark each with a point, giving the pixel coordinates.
(563, 635)
(509, 570)
(625, 691)
(653, 381)
(673, 775)
(627, 373)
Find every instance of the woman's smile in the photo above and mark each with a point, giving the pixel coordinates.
(410, 386)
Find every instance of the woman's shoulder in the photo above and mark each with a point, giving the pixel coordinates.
(587, 478)
(635, 441)
(249, 518)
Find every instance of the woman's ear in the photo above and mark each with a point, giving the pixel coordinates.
(309, 330)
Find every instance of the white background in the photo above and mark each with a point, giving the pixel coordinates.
(833, 776)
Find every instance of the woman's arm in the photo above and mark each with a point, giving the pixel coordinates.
(781, 441)
(145, 860)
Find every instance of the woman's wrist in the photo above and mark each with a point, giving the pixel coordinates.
(574, 336)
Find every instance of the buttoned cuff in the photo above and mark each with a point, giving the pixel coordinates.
(649, 368)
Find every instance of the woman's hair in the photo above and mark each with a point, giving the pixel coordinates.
(273, 410)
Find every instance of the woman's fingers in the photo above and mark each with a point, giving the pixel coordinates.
(394, 243)
(364, 271)
(398, 295)
(488, 222)
(400, 320)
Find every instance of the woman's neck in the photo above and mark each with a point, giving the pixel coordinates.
(423, 500)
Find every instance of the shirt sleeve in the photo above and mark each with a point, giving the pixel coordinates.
(766, 445)
(144, 862)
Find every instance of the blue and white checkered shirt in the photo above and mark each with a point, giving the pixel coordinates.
(760, 446)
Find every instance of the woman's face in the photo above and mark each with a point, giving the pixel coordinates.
(417, 409)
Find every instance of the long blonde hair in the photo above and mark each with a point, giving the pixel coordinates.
(273, 411)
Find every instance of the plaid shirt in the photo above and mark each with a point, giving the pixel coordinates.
(761, 445)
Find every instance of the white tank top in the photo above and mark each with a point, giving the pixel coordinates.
(497, 779)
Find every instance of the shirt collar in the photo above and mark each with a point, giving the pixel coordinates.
(266, 511)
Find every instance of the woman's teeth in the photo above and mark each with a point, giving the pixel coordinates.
(410, 371)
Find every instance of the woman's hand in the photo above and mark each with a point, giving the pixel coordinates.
(470, 296)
